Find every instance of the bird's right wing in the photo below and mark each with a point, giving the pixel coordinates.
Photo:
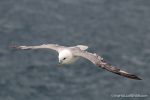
(55, 47)
(98, 61)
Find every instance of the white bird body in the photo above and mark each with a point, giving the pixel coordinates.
(67, 57)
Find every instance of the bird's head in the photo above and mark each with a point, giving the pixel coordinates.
(65, 57)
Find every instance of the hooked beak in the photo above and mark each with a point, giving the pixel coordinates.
(60, 62)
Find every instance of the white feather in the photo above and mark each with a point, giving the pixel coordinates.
(82, 47)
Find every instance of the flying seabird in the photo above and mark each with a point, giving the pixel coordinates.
(68, 55)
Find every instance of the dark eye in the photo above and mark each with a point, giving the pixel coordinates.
(64, 58)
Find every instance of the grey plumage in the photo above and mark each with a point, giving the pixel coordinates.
(55, 47)
(98, 61)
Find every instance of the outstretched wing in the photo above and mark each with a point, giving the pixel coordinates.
(44, 46)
(98, 61)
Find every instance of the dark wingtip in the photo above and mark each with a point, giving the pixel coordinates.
(134, 77)
(137, 78)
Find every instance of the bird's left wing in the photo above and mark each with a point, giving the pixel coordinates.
(55, 47)
(98, 61)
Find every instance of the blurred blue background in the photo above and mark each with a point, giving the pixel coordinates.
(118, 30)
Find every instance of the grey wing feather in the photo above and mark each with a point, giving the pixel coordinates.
(55, 47)
(98, 61)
